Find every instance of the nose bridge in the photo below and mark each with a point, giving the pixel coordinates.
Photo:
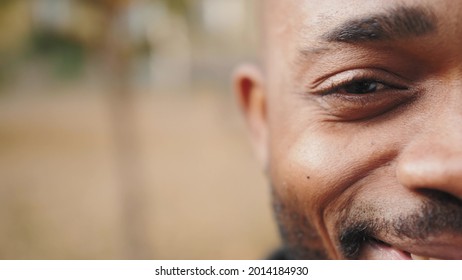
(448, 119)
(433, 158)
(444, 123)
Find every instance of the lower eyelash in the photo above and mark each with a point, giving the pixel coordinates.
(335, 88)
(336, 82)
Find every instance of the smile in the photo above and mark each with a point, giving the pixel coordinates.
(436, 250)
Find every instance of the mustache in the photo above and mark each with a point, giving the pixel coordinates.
(438, 213)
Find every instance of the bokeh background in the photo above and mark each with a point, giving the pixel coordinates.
(119, 134)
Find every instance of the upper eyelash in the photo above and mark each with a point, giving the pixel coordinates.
(334, 86)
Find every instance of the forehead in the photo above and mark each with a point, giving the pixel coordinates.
(294, 28)
(310, 19)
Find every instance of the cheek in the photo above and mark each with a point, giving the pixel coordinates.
(305, 173)
(310, 171)
(313, 170)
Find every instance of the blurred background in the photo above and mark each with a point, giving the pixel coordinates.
(119, 134)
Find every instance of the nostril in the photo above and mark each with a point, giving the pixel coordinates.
(441, 196)
(431, 173)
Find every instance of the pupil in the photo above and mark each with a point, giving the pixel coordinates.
(361, 87)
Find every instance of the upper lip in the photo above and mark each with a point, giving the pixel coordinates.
(443, 246)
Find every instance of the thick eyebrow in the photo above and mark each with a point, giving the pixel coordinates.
(397, 23)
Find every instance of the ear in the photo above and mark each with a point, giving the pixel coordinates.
(250, 92)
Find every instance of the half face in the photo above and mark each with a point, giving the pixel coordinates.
(358, 119)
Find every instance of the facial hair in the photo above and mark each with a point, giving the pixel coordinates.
(437, 213)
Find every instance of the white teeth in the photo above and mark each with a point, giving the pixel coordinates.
(420, 258)
(415, 257)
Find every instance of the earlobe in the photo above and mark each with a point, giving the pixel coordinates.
(250, 92)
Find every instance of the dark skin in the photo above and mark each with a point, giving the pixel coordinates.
(356, 116)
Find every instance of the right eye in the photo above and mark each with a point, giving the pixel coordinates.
(363, 93)
(362, 87)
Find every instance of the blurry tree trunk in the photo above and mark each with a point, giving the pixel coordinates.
(119, 55)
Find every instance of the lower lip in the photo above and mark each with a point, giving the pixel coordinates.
(374, 250)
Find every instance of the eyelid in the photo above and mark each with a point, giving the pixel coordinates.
(346, 106)
(329, 85)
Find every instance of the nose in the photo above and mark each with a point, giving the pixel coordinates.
(433, 159)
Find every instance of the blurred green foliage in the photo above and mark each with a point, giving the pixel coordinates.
(179, 7)
(8, 65)
(5, 2)
(65, 54)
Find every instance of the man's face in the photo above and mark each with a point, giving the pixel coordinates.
(357, 116)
